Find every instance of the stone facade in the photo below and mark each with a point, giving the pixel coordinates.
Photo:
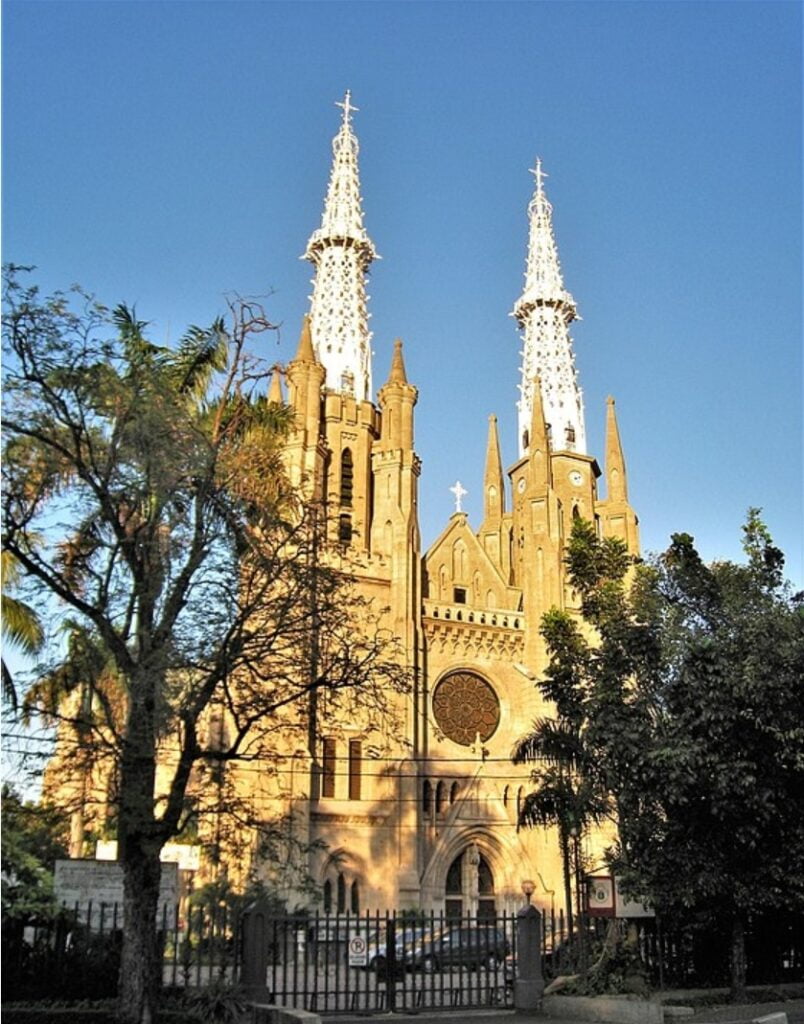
(432, 822)
(420, 810)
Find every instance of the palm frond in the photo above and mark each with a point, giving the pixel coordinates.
(553, 741)
(22, 627)
(136, 346)
(201, 352)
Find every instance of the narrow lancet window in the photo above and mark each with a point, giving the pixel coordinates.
(328, 768)
(355, 768)
(347, 477)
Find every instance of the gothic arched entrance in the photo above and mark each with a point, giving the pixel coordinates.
(469, 887)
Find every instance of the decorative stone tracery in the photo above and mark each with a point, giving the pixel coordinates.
(544, 311)
(342, 251)
(465, 706)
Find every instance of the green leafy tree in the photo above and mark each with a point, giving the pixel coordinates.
(687, 696)
(34, 836)
(722, 828)
(144, 490)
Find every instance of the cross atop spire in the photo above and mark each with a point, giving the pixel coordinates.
(347, 107)
(539, 175)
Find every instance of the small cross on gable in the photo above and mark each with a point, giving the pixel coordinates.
(459, 493)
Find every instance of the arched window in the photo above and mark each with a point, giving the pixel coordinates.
(341, 894)
(347, 477)
(453, 904)
(485, 890)
(454, 885)
(355, 897)
(328, 897)
(427, 797)
(440, 798)
(505, 796)
(485, 879)
(454, 790)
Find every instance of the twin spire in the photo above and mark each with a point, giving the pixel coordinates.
(342, 252)
(544, 311)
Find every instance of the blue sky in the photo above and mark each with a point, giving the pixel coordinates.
(165, 153)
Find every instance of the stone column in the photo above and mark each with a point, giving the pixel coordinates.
(529, 983)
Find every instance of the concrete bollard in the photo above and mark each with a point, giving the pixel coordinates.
(529, 983)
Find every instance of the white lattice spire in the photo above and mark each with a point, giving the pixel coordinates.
(544, 311)
(342, 252)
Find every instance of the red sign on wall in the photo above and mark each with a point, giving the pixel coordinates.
(604, 899)
(600, 895)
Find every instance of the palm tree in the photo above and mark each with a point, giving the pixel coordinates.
(566, 794)
(22, 627)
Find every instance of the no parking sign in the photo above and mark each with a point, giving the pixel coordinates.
(358, 951)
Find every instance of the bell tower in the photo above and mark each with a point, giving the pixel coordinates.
(340, 347)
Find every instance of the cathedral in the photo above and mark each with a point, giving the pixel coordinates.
(427, 819)
(419, 809)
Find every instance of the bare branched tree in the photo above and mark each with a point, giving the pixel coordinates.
(144, 491)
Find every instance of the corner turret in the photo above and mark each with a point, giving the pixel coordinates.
(617, 517)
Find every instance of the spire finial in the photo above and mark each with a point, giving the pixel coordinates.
(397, 374)
(616, 477)
(539, 175)
(347, 108)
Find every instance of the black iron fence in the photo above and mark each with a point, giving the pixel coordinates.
(371, 962)
(379, 962)
(76, 955)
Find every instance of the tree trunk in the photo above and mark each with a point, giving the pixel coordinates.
(738, 959)
(563, 839)
(140, 960)
(139, 846)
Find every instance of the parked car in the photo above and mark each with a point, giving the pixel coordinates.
(406, 940)
(459, 946)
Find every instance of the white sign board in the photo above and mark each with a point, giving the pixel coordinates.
(98, 884)
(358, 951)
(630, 908)
(187, 857)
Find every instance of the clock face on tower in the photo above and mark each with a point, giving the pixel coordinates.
(465, 705)
(576, 478)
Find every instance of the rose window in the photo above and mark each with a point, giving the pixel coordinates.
(464, 705)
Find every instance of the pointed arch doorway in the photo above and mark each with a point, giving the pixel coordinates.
(469, 887)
